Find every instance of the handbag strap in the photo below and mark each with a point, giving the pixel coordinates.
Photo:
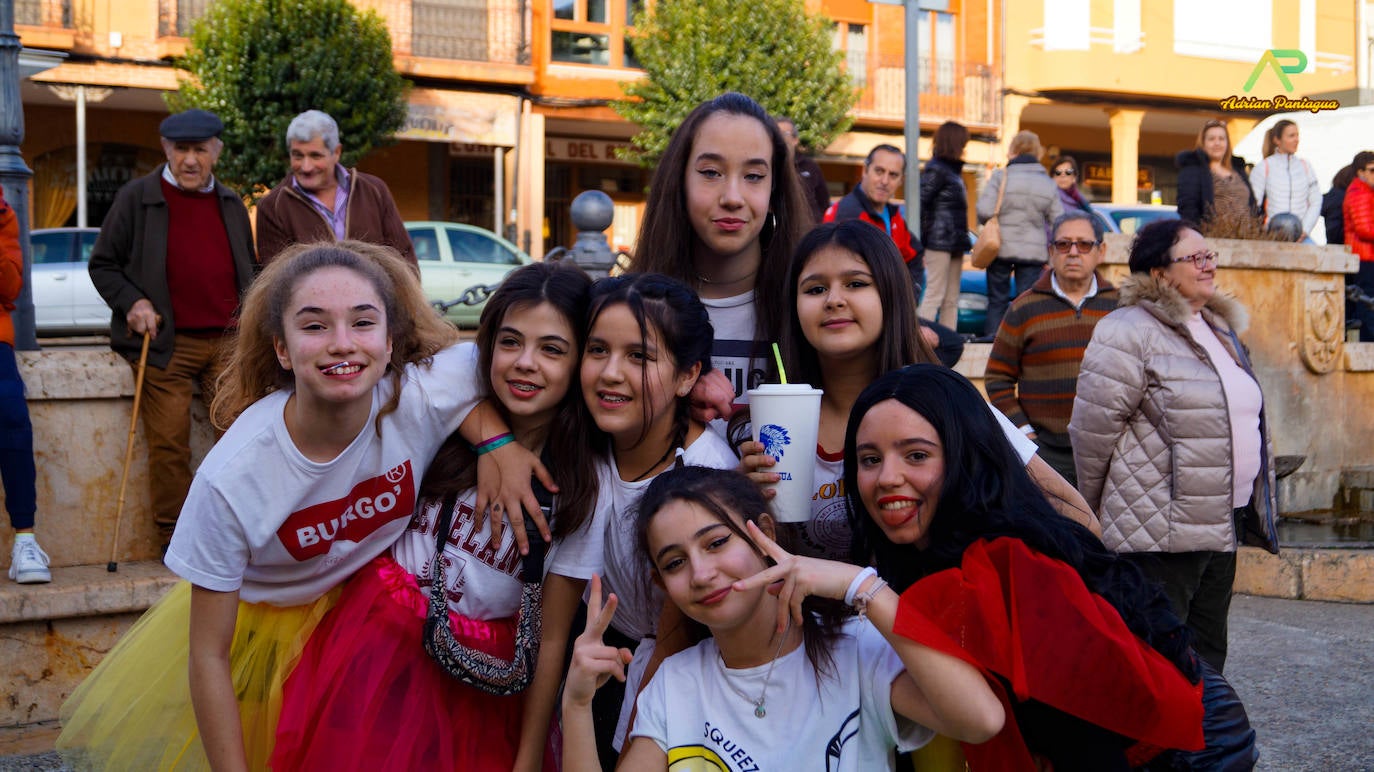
(1001, 190)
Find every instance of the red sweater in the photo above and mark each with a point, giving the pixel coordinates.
(11, 269)
(200, 266)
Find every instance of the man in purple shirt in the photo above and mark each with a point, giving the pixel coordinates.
(320, 200)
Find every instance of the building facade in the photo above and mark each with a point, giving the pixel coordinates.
(1123, 85)
(510, 114)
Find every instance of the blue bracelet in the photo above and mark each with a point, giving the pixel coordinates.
(494, 443)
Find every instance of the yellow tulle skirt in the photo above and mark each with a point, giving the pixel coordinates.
(134, 710)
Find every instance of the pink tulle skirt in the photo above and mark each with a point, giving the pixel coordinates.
(366, 696)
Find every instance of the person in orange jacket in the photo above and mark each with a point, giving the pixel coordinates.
(28, 561)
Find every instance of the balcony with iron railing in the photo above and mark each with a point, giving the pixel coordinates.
(43, 13)
(487, 31)
(50, 24)
(950, 90)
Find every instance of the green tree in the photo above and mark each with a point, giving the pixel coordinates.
(259, 63)
(771, 50)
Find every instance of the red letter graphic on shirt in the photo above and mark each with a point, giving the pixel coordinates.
(371, 504)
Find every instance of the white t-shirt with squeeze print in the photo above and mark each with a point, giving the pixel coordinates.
(263, 519)
(693, 709)
(484, 579)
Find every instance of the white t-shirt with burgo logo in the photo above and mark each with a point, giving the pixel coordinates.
(694, 709)
(263, 519)
(484, 579)
(827, 534)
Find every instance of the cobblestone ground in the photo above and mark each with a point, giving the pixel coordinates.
(1305, 671)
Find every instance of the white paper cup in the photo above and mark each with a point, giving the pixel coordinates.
(786, 419)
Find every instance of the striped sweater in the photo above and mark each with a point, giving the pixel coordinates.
(1032, 372)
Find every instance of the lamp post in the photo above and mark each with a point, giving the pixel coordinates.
(14, 173)
(911, 62)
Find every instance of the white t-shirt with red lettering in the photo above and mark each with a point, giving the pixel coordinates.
(484, 578)
(263, 519)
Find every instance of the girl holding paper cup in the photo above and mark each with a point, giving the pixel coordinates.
(855, 320)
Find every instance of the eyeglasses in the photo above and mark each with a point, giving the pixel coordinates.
(1065, 173)
(1198, 259)
(1064, 246)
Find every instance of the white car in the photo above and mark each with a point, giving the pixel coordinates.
(64, 299)
(454, 257)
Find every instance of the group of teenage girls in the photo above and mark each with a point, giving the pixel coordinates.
(947, 582)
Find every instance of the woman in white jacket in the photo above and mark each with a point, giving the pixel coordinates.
(1285, 183)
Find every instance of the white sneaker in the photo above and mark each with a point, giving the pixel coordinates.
(29, 563)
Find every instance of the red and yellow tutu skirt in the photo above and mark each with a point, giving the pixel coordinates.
(366, 695)
(134, 710)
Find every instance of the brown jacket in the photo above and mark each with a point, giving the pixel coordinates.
(286, 217)
(1151, 432)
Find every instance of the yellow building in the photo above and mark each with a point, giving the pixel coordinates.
(509, 115)
(1123, 85)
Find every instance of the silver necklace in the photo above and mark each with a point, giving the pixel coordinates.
(705, 280)
(759, 710)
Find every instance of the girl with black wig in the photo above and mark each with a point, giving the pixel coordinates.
(1092, 665)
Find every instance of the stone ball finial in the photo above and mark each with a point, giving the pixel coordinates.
(592, 210)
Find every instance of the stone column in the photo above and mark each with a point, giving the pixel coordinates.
(14, 173)
(1125, 153)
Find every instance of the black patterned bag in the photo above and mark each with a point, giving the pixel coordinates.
(492, 675)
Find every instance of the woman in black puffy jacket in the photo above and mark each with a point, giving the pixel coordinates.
(944, 224)
(1204, 169)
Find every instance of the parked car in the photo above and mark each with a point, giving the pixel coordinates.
(973, 301)
(454, 256)
(1128, 218)
(64, 299)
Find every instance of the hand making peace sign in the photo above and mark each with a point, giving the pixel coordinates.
(800, 576)
(593, 662)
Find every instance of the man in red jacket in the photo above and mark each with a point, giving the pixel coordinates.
(870, 202)
(1358, 210)
(321, 200)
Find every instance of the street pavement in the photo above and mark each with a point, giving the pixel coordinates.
(1304, 669)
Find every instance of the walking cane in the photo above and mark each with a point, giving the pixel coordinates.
(113, 565)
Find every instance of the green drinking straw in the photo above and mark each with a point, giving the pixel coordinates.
(777, 357)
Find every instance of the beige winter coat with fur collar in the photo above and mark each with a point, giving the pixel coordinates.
(1151, 433)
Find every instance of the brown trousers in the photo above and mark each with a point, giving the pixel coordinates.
(166, 413)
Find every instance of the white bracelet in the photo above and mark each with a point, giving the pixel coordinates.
(857, 583)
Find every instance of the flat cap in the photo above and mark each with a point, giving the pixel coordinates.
(191, 126)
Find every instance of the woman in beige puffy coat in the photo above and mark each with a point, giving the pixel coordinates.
(1168, 430)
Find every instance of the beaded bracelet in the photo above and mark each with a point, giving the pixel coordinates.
(487, 446)
(861, 602)
(854, 586)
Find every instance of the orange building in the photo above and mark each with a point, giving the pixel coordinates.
(510, 113)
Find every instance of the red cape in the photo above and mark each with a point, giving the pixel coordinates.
(1028, 618)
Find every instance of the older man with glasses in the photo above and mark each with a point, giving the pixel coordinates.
(1032, 373)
